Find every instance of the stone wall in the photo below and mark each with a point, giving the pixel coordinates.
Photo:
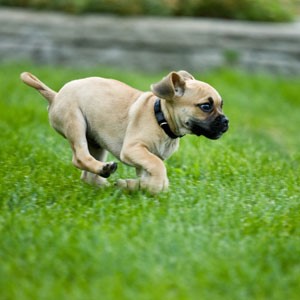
(148, 44)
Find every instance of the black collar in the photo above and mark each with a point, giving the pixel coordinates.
(162, 122)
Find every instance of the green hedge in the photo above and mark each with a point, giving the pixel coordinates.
(255, 10)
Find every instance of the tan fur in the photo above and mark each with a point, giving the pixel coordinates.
(120, 119)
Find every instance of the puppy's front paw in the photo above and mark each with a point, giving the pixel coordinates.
(152, 185)
(108, 169)
(121, 183)
(155, 185)
(130, 184)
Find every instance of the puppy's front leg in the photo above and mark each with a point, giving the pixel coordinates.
(154, 174)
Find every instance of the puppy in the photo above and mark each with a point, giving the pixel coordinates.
(141, 129)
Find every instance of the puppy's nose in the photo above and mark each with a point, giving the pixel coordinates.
(225, 120)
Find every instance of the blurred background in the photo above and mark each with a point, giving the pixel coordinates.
(153, 35)
(228, 228)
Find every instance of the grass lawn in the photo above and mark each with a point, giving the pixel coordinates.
(228, 228)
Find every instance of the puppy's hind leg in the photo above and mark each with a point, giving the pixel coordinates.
(94, 179)
(75, 132)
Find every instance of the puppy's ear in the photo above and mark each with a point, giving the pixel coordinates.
(186, 75)
(169, 87)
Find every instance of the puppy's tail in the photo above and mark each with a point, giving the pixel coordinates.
(34, 82)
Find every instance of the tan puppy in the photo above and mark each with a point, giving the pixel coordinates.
(141, 129)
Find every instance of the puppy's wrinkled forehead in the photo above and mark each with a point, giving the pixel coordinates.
(202, 89)
(201, 92)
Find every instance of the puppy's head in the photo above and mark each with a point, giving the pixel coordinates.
(195, 106)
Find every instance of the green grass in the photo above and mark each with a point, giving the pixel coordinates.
(228, 228)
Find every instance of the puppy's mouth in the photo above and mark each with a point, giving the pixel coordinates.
(212, 130)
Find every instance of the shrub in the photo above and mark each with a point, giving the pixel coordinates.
(255, 10)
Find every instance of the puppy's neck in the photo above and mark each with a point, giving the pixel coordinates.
(169, 116)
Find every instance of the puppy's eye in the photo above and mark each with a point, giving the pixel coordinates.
(206, 107)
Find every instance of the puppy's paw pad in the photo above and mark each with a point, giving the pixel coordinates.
(108, 169)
